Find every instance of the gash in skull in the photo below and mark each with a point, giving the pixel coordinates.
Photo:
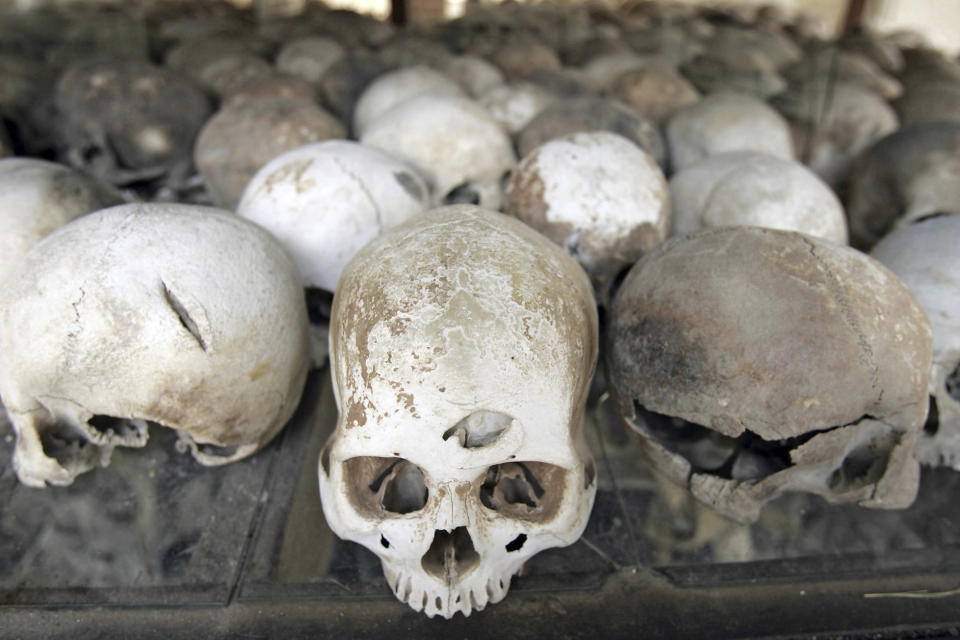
(462, 347)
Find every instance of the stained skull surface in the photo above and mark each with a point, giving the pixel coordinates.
(462, 347)
(183, 316)
(755, 361)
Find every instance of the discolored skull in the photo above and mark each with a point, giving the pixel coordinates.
(453, 142)
(903, 177)
(656, 92)
(750, 188)
(462, 347)
(37, 197)
(598, 195)
(128, 121)
(246, 134)
(149, 313)
(925, 256)
(754, 361)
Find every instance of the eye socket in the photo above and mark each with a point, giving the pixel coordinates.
(380, 486)
(524, 490)
(462, 194)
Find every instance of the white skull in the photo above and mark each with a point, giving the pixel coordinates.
(453, 142)
(726, 121)
(598, 195)
(462, 347)
(324, 201)
(184, 316)
(925, 256)
(514, 105)
(750, 188)
(396, 87)
(37, 197)
(475, 75)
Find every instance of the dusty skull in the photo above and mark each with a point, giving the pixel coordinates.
(184, 316)
(309, 57)
(453, 142)
(514, 105)
(598, 195)
(755, 361)
(462, 347)
(903, 177)
(925, 256)
(750, 188)
(127, 121)
(269, 126)
(325, 200)
(726, 121)
(394, 88)
(37, 197)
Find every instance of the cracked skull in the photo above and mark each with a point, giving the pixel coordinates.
(924, 255)
(462, 347)
(182, 316)
(756, 361)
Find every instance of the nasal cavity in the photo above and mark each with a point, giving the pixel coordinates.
(451, 555)
(479, 429)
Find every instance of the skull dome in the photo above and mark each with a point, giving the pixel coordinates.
(754, 361)
(184, 316)
(325, 201)
(462, 348)
(37, 197)
(726, 121)
(925, 256)
(395, 87)
(598, 195)
(453, 142)
(750, 188)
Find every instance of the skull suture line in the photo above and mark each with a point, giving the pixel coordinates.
(462, 347)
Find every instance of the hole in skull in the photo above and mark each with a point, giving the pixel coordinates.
(479, 429)
(384, 542)
(185, 319)
(404, 490)
(860, 467)
(63, 443)
(319, 302)
(462, 194)
(451, 555)
(510, 484)
(746, 457)
(109, 424)
(932, 425)
(517, 543)
(953, 383)
(409, 184)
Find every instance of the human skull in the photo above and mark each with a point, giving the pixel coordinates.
(903, 177)
(925, 256)
(453, 142)
(726, 121)
(573, 115)
(475, 75)
(246, 134)
(396, 87)
(462, 347)
(514, 105)
(598, 195)
(127, 121)
(656, 92)
(309, 57)
(833, 123)
(149, 313)
(37, 197)
(750, 188)
(755, 361)
(324, 201)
